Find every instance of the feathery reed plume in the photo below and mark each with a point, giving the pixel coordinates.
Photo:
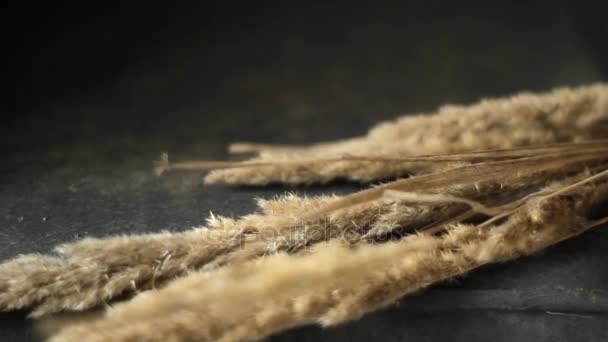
(565, 114)
(336, 283)
(93, 271)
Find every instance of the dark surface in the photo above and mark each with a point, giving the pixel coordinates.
(96, 92)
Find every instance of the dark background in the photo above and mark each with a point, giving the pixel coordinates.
(92, 92)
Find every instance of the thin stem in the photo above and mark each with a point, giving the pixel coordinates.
(249, 147)
(578, 184)
(164, 165)
(434, 198)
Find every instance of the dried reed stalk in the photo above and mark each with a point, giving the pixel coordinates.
(563, 115)
(325, 261)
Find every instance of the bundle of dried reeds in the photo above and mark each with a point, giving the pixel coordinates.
(331, 259)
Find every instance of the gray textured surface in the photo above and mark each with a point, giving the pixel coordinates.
(77, 153)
